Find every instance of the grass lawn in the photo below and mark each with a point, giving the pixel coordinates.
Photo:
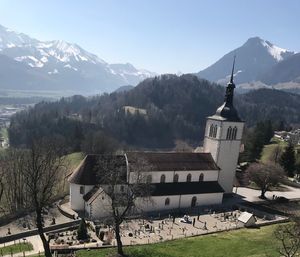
(238, 243)
(269, 149)
(74, 159)
(17, 248)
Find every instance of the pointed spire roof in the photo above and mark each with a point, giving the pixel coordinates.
(231, 78)
(227, 110)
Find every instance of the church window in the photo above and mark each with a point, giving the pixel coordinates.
(234, 131)
(175, 178)
(149, 179)
(167, 201)
(194, 201)
(211, 130)
(162, 178)
(201, 177)
(189, 178)
(122, 188)
(81, 190)
(215, 131)
(229, 133)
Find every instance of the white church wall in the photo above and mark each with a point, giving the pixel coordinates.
(228, 163)
(202, 199)
(100, 207)
(224, 151)
(76, 197)
(208, 175)
(211, 175)
(157, 203)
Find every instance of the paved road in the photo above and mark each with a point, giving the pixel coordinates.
(252, 195)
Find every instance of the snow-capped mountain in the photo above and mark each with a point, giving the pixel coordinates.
(253, 59)
(59, 65)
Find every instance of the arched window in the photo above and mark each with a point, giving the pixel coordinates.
(234, 131)
(201, 177)
(167, 201)
(194, 201)
(229, 132)
(215, 131)
(149, 179)
(211, 128)
(162, 178)
(189, 178)
(81, 189)
(175, 178)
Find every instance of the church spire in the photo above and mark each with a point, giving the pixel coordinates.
(231, 79)
(230, 88)
(227, 110)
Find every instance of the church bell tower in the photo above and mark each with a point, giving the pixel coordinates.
(223, 135)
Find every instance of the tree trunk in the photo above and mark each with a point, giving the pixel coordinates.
(39, 224)
(118, 238)
(262, 195)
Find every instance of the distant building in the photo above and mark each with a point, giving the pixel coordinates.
(179, 179)
(291, 136)
(134, 110)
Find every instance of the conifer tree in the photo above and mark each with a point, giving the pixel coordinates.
(288, 160)
(82, 230)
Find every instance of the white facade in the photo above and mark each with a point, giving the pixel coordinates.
(76, 196)
(224, 149)
(100, 207)
(207, 175)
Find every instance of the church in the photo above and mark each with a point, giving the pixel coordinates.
(180, 180)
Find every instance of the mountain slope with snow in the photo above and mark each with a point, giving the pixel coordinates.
(59, 65)
(253, 59)
(287, 70)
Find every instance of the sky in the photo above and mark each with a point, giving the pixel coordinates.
(164, 36)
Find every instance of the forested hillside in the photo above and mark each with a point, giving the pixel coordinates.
(171, 108)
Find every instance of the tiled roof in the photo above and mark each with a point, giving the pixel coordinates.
(89, 194)
(175, 161)
(89, 170)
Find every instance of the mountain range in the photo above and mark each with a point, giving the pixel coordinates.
(30, 64)
(259, 64)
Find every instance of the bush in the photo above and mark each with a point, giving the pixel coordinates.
(82, 231)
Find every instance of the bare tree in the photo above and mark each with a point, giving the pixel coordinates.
(11, 169)
(123, 187)
(42, 169)
(265, 176)
(289, 238)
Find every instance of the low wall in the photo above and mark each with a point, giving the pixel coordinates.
(34, 232)
(64, 212)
